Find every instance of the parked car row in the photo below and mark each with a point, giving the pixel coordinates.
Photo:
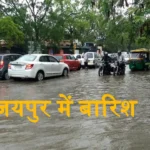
(39, 66)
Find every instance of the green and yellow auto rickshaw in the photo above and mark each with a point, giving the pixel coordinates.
(139, 59)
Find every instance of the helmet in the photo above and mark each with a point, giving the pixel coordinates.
(105, 53)
(119, 52)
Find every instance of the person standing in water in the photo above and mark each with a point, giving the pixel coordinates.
(86, 61)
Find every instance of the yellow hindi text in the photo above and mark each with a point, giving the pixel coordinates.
(126, 108)
(18, 107)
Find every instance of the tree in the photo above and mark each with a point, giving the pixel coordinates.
(34, 14)
(10, 32)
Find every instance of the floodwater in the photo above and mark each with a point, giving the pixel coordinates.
(78, 132)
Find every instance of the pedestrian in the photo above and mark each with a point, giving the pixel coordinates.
(86, 61)
(82, 55)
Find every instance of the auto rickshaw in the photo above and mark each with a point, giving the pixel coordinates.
(139, 59)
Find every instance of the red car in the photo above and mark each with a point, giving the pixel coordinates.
(70, 60)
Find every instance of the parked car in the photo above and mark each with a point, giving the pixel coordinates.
(71, 61)
(94, 59)
(37, 66)
(4, 61)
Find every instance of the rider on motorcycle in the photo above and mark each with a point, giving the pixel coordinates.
(120, 60)
(107, 61)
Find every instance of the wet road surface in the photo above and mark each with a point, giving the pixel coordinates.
(79, 132)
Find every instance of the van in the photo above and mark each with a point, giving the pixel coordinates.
(4, 61)
(94, 59)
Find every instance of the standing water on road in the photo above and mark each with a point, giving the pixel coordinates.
(78, 132)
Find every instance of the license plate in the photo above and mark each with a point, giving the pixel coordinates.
(18, 67)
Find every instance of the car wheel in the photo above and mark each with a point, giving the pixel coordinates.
(40, 76)
(146, 68)
(65, 72)
(6, 76)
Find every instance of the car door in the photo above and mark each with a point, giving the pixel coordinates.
(69, 62)
(75, 62)
(55, 66)
(46, 65)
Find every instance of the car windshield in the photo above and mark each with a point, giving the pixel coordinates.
(90, 55)
(27, 58)
(138, 55)
(59, 57)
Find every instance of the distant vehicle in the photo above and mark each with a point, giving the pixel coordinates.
(127, 57)
(37, 66)
(70, 60)
(94, 59)
(89, 44)
(113, 56)
(4, 61)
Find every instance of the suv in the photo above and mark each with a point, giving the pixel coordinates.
(4, 61)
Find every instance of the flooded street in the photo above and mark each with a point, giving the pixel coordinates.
(79, 132)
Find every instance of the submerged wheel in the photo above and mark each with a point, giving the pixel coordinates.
(65, 72)
(39, 76)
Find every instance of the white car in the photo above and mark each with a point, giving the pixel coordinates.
(37, 66)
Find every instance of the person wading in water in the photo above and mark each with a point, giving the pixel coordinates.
(86, 61)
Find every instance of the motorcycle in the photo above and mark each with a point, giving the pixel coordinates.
(106, 69)
(120, 69)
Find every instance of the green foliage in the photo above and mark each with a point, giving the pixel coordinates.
(56, 20)
(10, 32)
